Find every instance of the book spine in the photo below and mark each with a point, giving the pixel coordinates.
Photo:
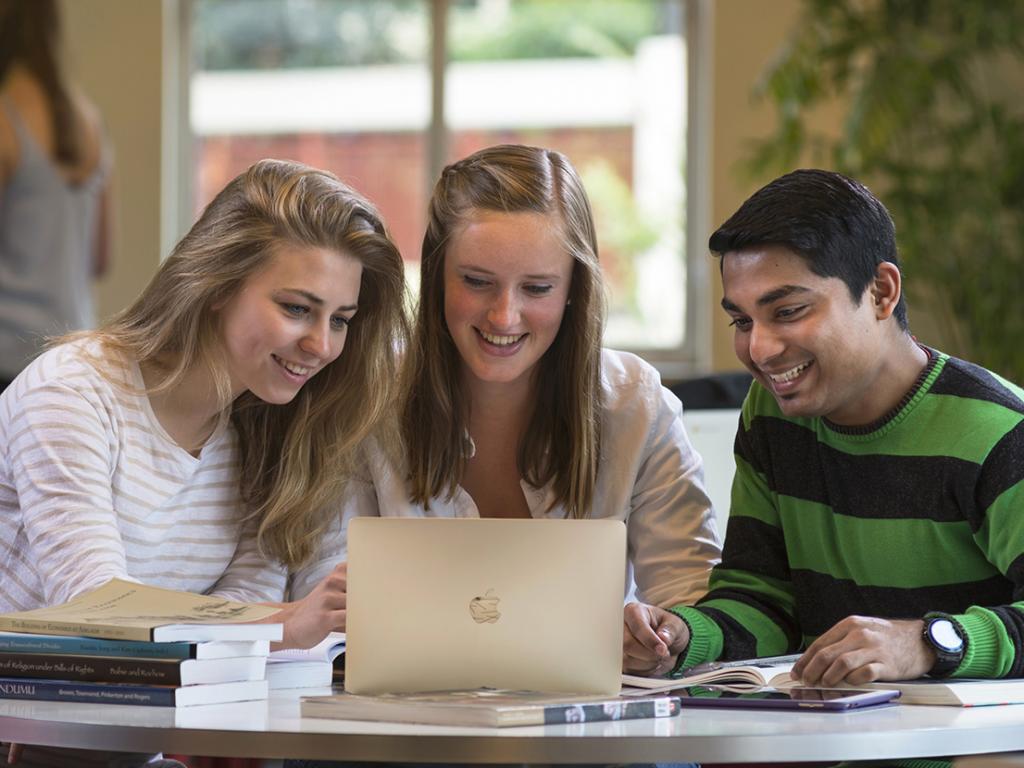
(91, 668)
(85, 646)
(93, 693)
(104, 631)
(617, 709)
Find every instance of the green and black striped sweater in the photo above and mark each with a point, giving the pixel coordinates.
(921, 512)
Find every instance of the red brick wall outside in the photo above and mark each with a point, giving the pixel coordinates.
(390, 168)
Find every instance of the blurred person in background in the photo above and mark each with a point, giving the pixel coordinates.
(54, 189)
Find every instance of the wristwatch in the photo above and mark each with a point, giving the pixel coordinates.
(944, 636)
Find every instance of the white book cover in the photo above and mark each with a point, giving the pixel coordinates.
(305, 667)
(955, 692)
(283, 674)
(327, 649)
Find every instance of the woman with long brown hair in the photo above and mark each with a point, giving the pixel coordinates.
(510, 406)
(54, 189)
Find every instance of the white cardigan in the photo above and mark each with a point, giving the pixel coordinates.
(649, 476)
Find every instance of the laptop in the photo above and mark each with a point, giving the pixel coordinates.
(444, 604)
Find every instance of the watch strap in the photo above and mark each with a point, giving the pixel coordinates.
(946, 661)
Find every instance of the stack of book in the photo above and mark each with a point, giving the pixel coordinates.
(128, 643)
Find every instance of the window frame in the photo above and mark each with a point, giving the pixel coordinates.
(690, 358)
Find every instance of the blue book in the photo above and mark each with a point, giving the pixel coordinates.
(19, 642)
(138, 695)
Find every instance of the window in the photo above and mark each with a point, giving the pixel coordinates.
(385, 92)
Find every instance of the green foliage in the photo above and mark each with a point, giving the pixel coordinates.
(283, 34)
(622, 229)
(543, 29)
(934, 123)
(273, 34)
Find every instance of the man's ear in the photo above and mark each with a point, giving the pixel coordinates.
(886, 289)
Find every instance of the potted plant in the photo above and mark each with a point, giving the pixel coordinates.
(933, 95)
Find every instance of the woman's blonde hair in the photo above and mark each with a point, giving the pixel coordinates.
(562, 441)
(295, 458)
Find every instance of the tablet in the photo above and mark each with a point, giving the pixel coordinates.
(823, 699)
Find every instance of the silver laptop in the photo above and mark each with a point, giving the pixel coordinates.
(440, 604)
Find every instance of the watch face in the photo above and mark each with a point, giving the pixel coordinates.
(944, 635)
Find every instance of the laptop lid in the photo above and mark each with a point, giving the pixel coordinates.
(442, 604)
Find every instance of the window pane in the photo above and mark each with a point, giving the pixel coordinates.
(338, 84)
(603, 81)
(345, 85)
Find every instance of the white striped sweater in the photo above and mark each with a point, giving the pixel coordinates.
(92, 488)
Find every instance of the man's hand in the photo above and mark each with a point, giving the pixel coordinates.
(652, 638)
(861, 649)
(307, 621)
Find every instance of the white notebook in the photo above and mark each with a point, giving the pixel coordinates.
(447, 604)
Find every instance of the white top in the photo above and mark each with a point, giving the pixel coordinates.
(92, 487)
(649, 476)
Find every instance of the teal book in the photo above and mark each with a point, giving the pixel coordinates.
(19, 642)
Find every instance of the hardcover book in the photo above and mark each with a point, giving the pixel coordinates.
(109, 669)
(125, 610)
(138, 695)
(23, 642)
(956, 692)
(485, 707)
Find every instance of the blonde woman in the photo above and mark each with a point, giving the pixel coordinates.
(511, 408)
(195, 440)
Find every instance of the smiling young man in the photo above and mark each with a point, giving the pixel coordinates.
(875, 516)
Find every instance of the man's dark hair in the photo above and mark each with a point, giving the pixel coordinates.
(832, 221)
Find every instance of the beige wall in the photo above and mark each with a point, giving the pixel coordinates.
(116, 53)
(745, 39)
(748, 34)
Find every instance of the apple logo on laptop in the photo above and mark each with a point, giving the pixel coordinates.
(484, 608)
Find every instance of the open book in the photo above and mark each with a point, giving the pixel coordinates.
(125, 610)
(740, 676)
(773, 672)
(305, 667)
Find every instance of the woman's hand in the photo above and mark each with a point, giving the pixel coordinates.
(652, 639)
(308, 621)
